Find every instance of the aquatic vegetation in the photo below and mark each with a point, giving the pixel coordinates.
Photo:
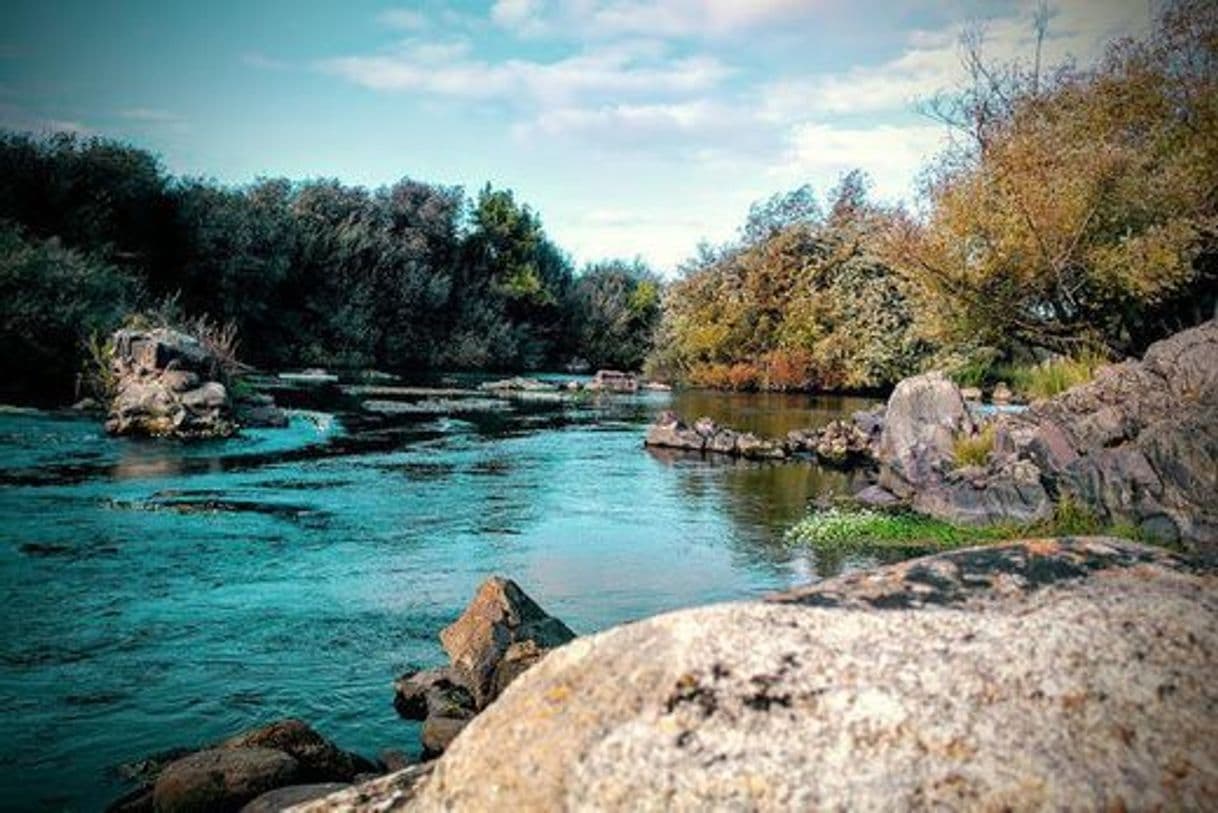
(864, 528)
(861, 529)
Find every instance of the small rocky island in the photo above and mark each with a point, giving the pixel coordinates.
(162, 382)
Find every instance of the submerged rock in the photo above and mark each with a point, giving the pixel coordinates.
(517, 384)
(320, 760)
(227, 775)
(1066, 674)
(613, 381)
(669, 432)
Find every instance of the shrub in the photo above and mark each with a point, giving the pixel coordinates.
(974, 450)
(52, 301)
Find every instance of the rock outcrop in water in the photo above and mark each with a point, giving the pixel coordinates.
(1137, 445)
(168, 384)
(1047, 674)
(502, 633)
(670, 432)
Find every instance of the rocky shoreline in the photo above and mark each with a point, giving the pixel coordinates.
(1137, 446)
(1040, 673)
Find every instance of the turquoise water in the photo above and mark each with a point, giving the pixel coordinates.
(159, 594)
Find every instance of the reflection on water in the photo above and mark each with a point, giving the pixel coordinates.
(160, 594)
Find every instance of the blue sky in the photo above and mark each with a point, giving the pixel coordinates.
(634, 128)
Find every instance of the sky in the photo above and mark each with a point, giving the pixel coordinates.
(633, 128)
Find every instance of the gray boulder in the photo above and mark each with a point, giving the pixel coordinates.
(925, 414)
(669, 432)
(1051, 674)
(1137, 445)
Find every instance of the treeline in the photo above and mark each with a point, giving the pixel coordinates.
(405, 277)
(1075, 214)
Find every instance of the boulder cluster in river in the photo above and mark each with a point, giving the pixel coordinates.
(670, 432)
(501, 634)
(168, 384)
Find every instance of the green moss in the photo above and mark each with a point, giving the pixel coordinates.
(859, 529)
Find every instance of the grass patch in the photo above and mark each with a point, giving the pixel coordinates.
(1055, 376)
(846, 530)
(974, 450)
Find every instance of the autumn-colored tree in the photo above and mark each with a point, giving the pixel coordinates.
(808, 305)
(1079, 208)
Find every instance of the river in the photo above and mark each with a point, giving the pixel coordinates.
(160, 594)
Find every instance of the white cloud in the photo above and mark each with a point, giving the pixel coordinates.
(521, 15)
(21, 119)
(610, 71)
(403, 18)
(686, 18)
(932, 59)
(892, 155)
(257, 59)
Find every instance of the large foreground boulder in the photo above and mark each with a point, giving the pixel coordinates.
(1049, 674)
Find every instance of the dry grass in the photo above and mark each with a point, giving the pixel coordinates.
(974, 450)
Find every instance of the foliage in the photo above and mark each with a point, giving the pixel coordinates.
(407, 276)
(53, 301)
(1078, 209)
(808, 306)
(974, 449)
(615, 308)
